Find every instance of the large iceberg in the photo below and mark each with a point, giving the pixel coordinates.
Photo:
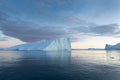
(112, 47)
(46, 45)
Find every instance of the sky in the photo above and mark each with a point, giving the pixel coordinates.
(89, 23)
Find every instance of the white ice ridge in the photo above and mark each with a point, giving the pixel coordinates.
(112, 47)
(46, 45)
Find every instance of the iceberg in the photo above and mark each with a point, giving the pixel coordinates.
(45, 45)
(112, 47)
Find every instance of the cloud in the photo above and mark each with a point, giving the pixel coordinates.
(83, 27)
(3, 38)
(98, 30)
(29, 31)
(105, 29)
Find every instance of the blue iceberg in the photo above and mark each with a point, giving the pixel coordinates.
(46, 45)
(112, 47)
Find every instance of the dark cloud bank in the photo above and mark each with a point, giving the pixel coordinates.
(28, 31)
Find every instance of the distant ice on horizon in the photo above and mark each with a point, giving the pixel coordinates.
(112, 47)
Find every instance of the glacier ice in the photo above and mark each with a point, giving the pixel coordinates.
(112, 47)
(46, 45)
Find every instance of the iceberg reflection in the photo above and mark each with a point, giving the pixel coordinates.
(9, 58)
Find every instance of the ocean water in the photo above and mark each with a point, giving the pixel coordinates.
(61, 65)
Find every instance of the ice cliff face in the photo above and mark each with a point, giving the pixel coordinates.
(112, 47)
(46, 45)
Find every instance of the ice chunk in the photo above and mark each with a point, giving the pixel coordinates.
(46, 45)
(112, 47)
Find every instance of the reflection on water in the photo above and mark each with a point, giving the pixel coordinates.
(14, 57)
(60, 65)
(113, 56)
(7, 58)
(89, 56)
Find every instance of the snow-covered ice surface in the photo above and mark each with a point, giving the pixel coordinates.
(46, 45)
(112, 47)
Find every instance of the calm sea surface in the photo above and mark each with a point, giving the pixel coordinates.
(74, 65)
